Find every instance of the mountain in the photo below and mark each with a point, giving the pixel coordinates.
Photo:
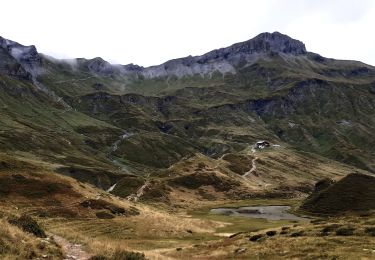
(176, 123)
(227, 60)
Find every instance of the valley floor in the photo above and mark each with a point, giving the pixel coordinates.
(227, 237)
(84, 221)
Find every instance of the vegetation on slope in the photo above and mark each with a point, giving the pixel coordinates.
(355, 192)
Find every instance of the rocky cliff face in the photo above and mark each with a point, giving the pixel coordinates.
(99, 66)
(25, 62)
(10, 66)
(27, 56)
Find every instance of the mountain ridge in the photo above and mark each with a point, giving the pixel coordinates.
(222, 60)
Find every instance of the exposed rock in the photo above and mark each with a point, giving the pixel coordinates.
(99, 66)
(225, 60)
(239, 250)
(132, 68)
(27, 56)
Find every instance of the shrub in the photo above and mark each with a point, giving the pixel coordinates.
(327, 229)
(370, 231)
(344, 231)
(28, 224)
(201, 165)
(323, 184)
(256, 237)
(102, 204)
(4, 165)
(104, 215)
(271, 233)
(121, 255)
(4, 248)
(297, 234)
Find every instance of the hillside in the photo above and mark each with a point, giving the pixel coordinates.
(91, 219)
(353, 193)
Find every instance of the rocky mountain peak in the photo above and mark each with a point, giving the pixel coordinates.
(227, 60)
(266, 42)
(99, 66)
(132, 67)
(261, 44)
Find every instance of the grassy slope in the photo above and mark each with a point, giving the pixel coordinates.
(30, 247)
(303, 103)
(81, 143)
(355, 192)
(33, 124)
(318, 105)
(30, 187)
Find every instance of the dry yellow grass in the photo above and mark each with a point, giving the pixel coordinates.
(150, 230)
(16, 244)
(313, 243)
(160, 229)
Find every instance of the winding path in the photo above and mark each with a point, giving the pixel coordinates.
(253, 164)
(72, 251)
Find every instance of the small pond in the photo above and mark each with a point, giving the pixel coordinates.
(266, 212)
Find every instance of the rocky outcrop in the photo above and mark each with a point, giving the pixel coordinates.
(99, 66)
(10, 66)
(25, 62)
(27, 56)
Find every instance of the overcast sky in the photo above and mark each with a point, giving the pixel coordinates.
(149, 32)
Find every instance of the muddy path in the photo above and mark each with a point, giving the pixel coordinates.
(253, 167)
(253, 163)
(72, 251)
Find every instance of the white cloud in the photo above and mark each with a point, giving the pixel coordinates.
(149, 32)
